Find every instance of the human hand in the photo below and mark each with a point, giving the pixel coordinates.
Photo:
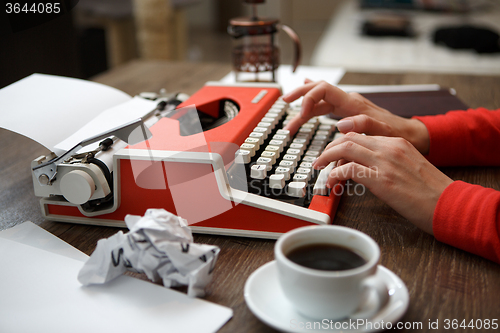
(392, 169)
(359, 114)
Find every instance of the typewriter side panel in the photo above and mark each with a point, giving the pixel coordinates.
(214, 208)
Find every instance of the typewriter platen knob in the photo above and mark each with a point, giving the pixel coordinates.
(77, 187)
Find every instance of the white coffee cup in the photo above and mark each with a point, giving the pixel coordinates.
(321, 294)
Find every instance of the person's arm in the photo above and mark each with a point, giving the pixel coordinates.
(468, 217)
(462, 138)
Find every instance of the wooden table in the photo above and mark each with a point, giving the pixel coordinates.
(443, 282)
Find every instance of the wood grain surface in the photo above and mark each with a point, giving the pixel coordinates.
(443, 282)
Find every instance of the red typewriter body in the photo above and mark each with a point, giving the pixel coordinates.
(189, 175)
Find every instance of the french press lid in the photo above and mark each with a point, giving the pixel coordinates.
(252, 26)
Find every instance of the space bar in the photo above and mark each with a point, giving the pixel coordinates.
(320, 185)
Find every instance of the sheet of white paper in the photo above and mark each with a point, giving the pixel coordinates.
(111, 118)
(48, 108)
(30, 234)
(40, 293)
(289, 80)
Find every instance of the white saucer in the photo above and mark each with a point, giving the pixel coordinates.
(266, 300)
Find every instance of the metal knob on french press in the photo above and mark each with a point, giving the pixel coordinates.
(254, 49)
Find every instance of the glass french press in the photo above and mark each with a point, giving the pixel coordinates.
(255, 56)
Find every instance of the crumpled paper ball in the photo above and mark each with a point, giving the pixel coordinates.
(159, 244)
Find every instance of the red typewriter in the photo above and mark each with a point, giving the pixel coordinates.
(220, 159)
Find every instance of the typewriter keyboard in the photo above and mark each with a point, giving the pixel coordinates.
(279, 165)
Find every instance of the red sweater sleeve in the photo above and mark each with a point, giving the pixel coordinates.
(468, 217)
(462, 138)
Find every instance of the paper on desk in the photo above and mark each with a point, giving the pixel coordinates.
(40, 293)
(30, 234)
(50, 109)
(53, 301)
(160, 245)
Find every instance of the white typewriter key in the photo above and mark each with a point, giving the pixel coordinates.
(253, 141)
(299, 178)
(310, 159)
(326, 133)
(304, 136)
(272, 114)
(284, 171)
(300, 141)
(268, 162)
(257, 135)
(296, 189)
(269, 154)
(306, 165)
(273, 148)
(320, 143)
(242, 156)
(312, 125)
(285, 133)
(281, 138)
(266, 125)
(320, 185)
(291, 158)
(320, 137)
(272, 121)
(277, 181)
(313, 153)
(250, 147)
(287, 164)
(326, 120)
(268, 119)
(272, 118)
(278, 143)
(263, 124)
(263, 130)
(294, 152)
(258, 171)
(278, 109)
(328, 128)
(299, 146)
(315, 147)
(280, 112)
(280, 104)
(304, 171)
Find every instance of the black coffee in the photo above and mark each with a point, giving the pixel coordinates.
(326, 257)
